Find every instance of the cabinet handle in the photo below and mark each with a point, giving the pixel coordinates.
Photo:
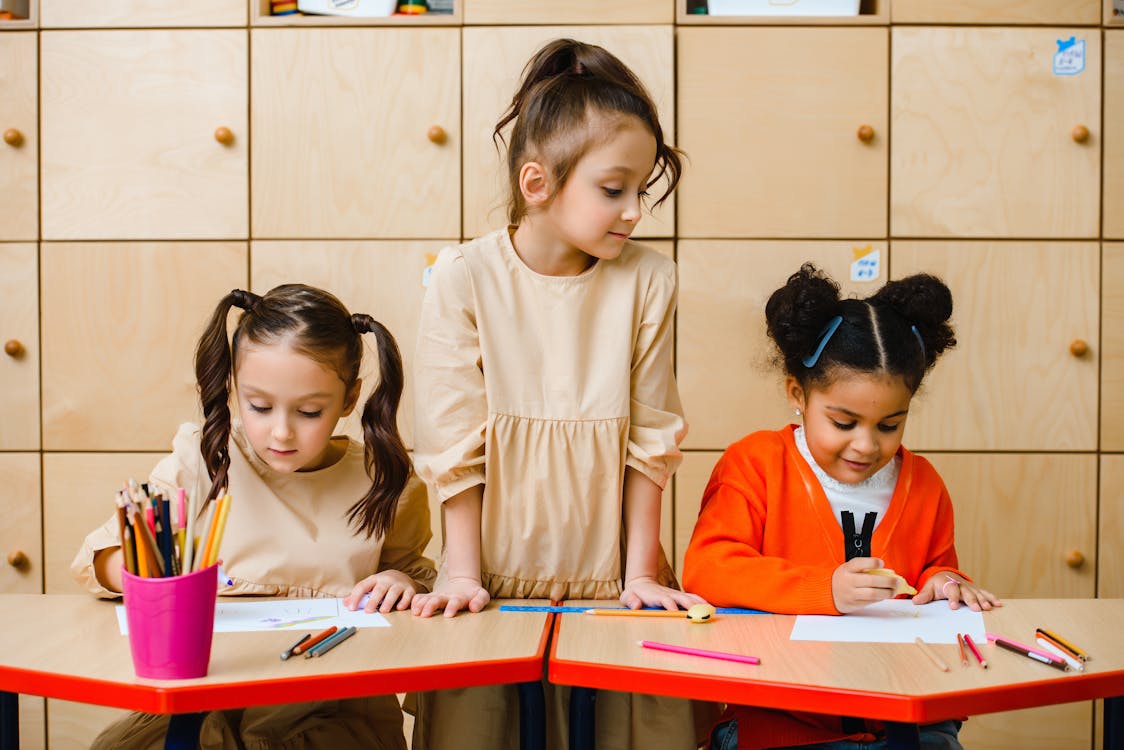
(865, 133)
(13, 137)
(224, 136)
(1080, 133)
(436, 134)
(1078, 348)
(17, 559)
(1074, 558)
(13, 348)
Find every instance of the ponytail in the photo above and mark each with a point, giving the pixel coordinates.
(384, 452)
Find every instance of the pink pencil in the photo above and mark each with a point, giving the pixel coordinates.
(700, 652)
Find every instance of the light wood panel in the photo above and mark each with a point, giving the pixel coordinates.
(1011, 382)
(260, 15)
(1063, 727)
(1112, 343)
(1018, 517)
(340, 118)
(21, 533)
(982, 134)
(129, 148)
(78, 490)
(493, 62)
(1114, 133)
(19, 111)
(19, 323)
(727, 377)
(141, 13)
(1110, 583)
(770, 120)
(74, 726)
(120, 324)
(505, 12)
(997, 11)
(690, 483)
(382, 279)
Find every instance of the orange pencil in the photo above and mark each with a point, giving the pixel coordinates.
(206, 541)
(220, 525)
(300, 648)
(963, 656)
(681, 614)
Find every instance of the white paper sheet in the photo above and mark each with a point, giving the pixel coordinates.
(893, 621)
(282, 614)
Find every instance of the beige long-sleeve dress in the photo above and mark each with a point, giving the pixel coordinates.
(544, 389)
(287, 535)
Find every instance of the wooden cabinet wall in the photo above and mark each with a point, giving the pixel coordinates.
(156, 155)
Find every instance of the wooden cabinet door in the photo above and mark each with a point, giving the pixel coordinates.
(997, 11)
(382, 279)
(1114, 133)
(70, 14)
(1020, 519)
(120, 325)
(19, 126)
(1112, 343)
(728, 377)
(1110, 583)
(19, 335)
(22, 531)
(1011, 382)
(342, 120)
(770, 118)
(130, 148)
(506, 13)
(493, 63)
(983, 133)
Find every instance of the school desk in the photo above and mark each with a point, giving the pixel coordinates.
(895, 682)
(70, 647)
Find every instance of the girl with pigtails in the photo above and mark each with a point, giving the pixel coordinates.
(314, 514)
(792, 521)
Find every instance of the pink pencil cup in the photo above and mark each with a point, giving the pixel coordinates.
(171, 621)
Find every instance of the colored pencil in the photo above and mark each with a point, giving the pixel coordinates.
(680, 614)
(220, 526)
(129, 550)
(301, 648)
(187, 547)
(975, 651)
(289, 651)
(929, 652)
(721, 655)
(1063, 644)
(203, 532)
(1018, 648)
(330, 643)
(963, 656)
(1045, 654)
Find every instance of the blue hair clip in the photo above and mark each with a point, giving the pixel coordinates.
(825, 336)
(920, 342)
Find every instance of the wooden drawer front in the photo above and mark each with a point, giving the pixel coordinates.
(19, 335)
(19, 124)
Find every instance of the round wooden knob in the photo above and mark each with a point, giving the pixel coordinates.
(1078, 348)
(13, 137)
(1080, 133)
(865, 133)
(17, 559)
(436, 134)
(13, 348)
(1074, 558)
(224, 136)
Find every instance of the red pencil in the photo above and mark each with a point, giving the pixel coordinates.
(301, 648)
(975, 651)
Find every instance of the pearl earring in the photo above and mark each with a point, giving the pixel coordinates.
(796, 412)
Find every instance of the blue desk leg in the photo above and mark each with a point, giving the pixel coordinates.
(9, 721)
(183, 731)
(902, 736)
(583, 703)
(532, 716)
(1114, 723)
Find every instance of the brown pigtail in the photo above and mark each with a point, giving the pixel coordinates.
(387, 462)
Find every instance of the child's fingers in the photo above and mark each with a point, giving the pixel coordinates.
(391, 597)
(357, 592)
(480, 600)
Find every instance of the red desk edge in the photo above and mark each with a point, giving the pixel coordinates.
(173, 699)
(919, 709)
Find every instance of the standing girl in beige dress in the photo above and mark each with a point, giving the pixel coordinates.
(313, 513)
(548, 416)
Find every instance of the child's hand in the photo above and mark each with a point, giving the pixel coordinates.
(853, 589)
(453, 596)
(645, 592)
(954, 588)
(390, 589)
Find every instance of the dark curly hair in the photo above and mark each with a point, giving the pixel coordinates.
(900, 330)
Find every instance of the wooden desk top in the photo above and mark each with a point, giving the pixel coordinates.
(70, 647)
(892, 681)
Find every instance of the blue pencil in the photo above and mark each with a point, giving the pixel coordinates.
(329, 643)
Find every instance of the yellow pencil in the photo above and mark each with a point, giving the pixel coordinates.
(220, 525)
(925, 647)
(681, 614)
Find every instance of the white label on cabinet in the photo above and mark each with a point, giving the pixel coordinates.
(1069, 60)
(867, 265)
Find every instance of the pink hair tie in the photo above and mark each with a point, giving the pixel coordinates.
(944, 587)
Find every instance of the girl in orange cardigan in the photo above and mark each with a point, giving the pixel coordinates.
(793, 518)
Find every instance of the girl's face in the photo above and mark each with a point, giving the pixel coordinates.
(599, 206)
(855, 425)
(290, 405)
